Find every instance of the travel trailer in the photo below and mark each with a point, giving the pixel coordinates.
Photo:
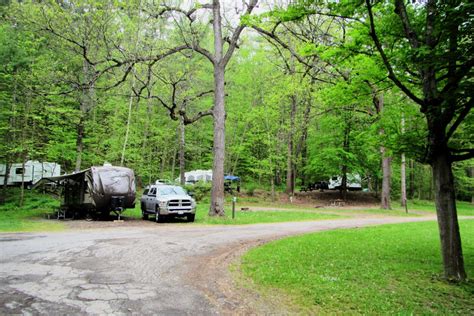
(29, 174)
(196, 176)
(96, 192)
(354, 182)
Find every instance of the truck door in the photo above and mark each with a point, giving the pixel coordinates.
(150, 200)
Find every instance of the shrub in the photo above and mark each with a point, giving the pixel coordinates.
(201, 190)
(251, 189)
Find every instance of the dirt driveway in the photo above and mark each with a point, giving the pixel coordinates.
(166, 269)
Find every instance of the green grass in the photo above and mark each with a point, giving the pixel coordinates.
(372, 211)
(392, 269)
(242, 218)
(247, 217)
(463, 208)
(29, 217)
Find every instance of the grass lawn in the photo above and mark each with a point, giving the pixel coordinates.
(246, 217)
(463, 208)
(392, 269)
(30, 217)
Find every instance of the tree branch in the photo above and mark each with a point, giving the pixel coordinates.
(465, 111)
(386, 62)
(469, 153)
(298, 57)
(202, 51)
(235, 36)
(401, 11)
(196, 117)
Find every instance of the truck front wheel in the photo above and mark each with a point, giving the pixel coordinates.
(144, 214)
(158, 217)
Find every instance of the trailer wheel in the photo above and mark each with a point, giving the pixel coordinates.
(89, 217)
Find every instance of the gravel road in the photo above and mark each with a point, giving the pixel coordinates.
(165, 269)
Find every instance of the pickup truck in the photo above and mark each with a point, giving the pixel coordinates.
(164, 201)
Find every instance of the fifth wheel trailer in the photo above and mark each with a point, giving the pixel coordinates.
(95, 192)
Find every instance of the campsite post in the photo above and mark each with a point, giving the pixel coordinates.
(234, 199)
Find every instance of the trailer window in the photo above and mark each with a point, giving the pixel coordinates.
(19, 171)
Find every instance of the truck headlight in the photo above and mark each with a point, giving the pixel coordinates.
(193, 203)
(162, 204)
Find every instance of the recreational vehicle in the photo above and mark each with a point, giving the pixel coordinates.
(96, 192)
(29, 173)
(353, 183)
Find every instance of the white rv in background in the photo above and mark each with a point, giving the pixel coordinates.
(32, 172)
(354, 182)
(197, 175)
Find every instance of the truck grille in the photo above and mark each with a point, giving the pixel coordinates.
(179, 203)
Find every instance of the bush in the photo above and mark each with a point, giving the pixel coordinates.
(201, 190)
(251, 189)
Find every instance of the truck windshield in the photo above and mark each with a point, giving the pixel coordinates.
(171, 191)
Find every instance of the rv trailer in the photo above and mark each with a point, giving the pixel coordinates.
(353, 182)
(29, 174)
(96, 192)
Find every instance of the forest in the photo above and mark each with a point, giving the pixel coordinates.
(282, 94)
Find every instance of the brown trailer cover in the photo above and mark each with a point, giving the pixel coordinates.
(109, 181)
(93, 189)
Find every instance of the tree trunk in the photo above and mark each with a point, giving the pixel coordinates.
(173, 162)
(164, 157)
(403, 175)
(386, 161)
(346, 146)
(7, 173)
(79, 143)
(127, 127)
(217, 191)
(22, 187)
(86, 104)
(451, 248)
(272, 185)
(343, 189)
(182, 162)
(301, 148)
(411, 192)
(386, 179)
(290, 172)
(471, 175)
(403, 184)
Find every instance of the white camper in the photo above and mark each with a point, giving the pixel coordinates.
(354, 182)
(32, 172)
(196, 176)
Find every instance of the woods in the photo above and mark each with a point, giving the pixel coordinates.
(283, 96)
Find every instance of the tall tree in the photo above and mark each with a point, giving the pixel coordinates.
(431, 64)
(440, 60)
(219, 59)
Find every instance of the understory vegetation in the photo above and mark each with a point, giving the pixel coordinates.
(32, 216)
(391, 269)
